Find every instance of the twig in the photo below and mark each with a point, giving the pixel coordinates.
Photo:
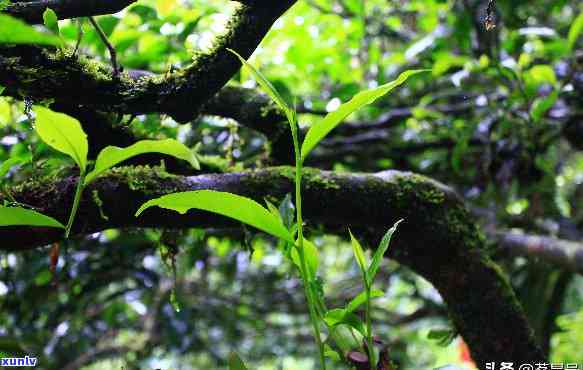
(112, 52)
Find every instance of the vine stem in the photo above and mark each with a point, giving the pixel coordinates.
(78, 192)
(371, 353)
(304, 267)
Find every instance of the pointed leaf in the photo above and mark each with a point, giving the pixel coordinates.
(380, 253)
(273, 209)
(267, 87)
(575, 30)
(113, 155)
(286, 210)
(235, 362)
(358, 254)
(230, 205)
(51, 21)
(62, 133)
(17, 216)
(319, 130)
(15, 31)
(360, 299)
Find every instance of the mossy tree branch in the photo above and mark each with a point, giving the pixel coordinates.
(32, 11)
(438, 240)
(42, 74)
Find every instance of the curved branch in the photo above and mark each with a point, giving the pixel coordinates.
(438, 240)
(566, 254)
(179, 94)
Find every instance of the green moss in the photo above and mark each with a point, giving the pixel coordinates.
(145, 179)
(314, 178)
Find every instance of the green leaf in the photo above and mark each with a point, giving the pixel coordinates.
(334, 316)
(340, 316)
(541, 106)
(235, 362)
(15, 31)
(575, 31)
(2, 88)
(360, 299)
(319, 130)
(359, 255)
(273, 209)
(62, 133)
(17, 216)
(113, 155)
(312, 257)
(380, 253)
(51, 21)
(345, 338)
(267, 87)
(230, 205)
(11, 162)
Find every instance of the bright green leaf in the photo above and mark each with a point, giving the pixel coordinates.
(2, 88)
(62, 133)
(319, 130)
(267, 87)
(51, 20)
(234, 206)
(312, 257)
(113, 155)
(380, 253)
(575, 31)
(11, 162)
(360, 299)
(235, 362)
(15, 31)
(16, 216)
(358, 254)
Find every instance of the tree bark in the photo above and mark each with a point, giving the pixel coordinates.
(438, 239)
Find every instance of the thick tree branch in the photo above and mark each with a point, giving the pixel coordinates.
(38, 73)
(438, 240)
(563, 253)
(32, 11)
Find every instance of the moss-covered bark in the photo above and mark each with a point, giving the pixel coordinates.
(438, 239)
(43, 74)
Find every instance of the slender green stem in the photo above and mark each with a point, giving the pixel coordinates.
(78, 192)
(369, 340)
(304, 266)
